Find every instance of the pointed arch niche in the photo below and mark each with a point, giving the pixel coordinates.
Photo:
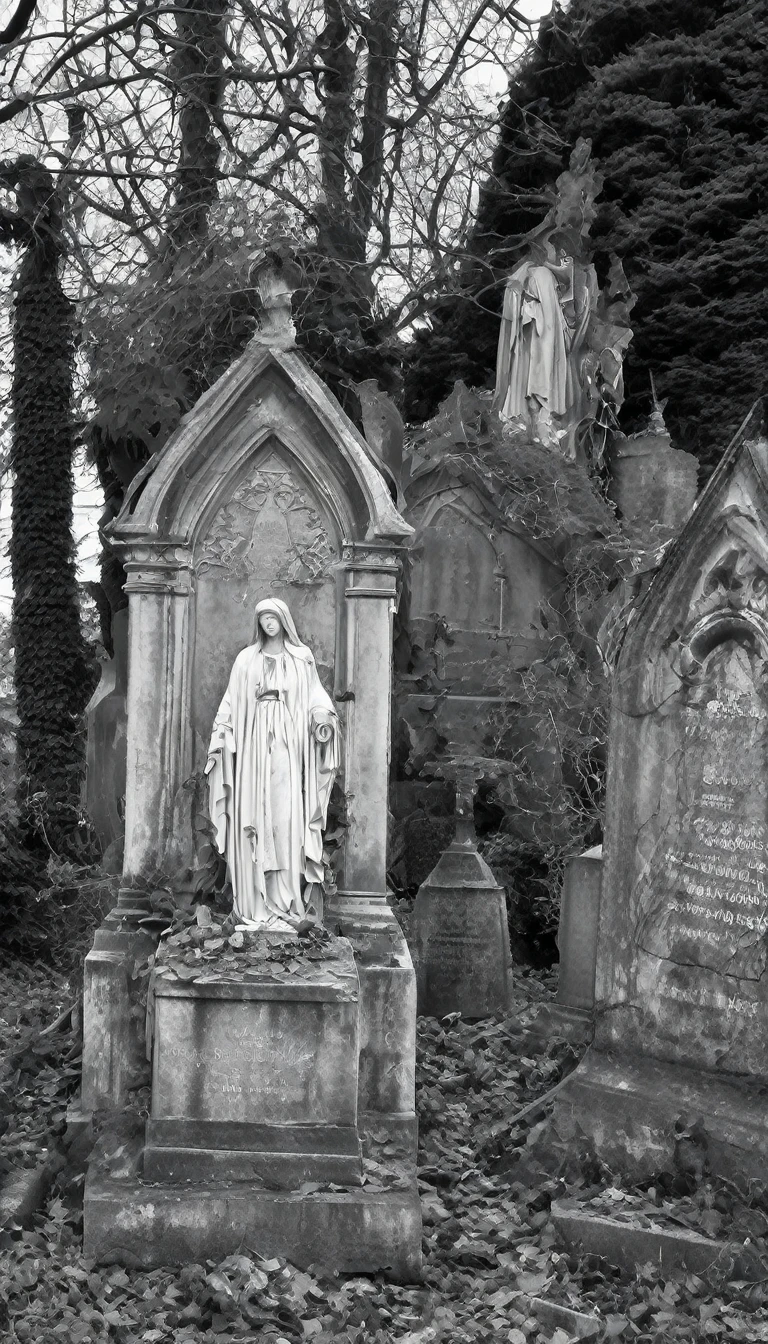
(265, 489)
(483, 582)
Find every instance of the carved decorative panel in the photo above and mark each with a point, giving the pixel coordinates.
(270, 507)
(738, 581)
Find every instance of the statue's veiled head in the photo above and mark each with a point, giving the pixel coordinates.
(270, 610)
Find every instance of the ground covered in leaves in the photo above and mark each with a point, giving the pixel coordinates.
(491, 1262)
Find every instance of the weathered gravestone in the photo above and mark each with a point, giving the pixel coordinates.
(681, 1043)
(280, 1068)
(460, 923)
(571, 1015)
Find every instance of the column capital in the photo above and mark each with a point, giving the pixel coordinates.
(157, 567)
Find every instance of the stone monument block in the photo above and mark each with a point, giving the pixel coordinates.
(681, 1035)
(256, 1075)
(577, 931)
(653, 484)
(386, 1083)
(460, 929)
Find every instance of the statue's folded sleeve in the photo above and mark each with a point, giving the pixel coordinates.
(220, 771)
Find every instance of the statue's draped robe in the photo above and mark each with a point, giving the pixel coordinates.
(270, 780)
(532, 355)
(542, 373)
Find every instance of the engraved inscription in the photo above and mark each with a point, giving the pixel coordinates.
(454, 949)
(249, 1069)
(704, 896)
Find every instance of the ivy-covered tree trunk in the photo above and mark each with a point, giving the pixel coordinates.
(51, 667)
(337, 325)
(196, 70)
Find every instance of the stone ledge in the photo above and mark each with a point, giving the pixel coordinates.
(629, 1246)
(627, 1106)
(353, 1231)
(286, 1170)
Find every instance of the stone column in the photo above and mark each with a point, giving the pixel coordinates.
(159, 583)
(364, 674)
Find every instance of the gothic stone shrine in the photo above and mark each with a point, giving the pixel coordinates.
(681, 1038)
(282, 1095)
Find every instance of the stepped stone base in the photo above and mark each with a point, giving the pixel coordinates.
(131, 1222)
(268, 1094)
(636, 1111)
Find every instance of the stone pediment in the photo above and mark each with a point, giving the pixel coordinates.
(457, 484)
(268, 403)
(713, 582)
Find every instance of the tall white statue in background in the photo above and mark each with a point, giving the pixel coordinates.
(547, 306)
(559, 375)
(273, 757)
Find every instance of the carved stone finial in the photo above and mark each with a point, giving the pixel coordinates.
(274, 280)
(465, 773)
(656, 422)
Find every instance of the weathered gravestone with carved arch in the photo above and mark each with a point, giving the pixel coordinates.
(681, 1039)
(265, 489)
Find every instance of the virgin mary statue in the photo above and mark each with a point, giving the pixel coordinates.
(272, 761)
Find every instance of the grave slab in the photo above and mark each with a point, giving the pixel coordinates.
(460, 920)
(462, 941)
(630, 1246)
(22, 1194)
(554, 1316)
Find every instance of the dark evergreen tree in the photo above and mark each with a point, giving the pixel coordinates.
(52, 674)
(672, 95)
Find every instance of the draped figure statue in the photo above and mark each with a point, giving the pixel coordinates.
(547, 306)
(562, 339)
(273, 757)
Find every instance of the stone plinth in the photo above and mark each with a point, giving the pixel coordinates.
(637, 1111)
(351, 1231)
(266, 1087)
(255, 1072)
(461, 937)
(114, 1050)
(386, 1077)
